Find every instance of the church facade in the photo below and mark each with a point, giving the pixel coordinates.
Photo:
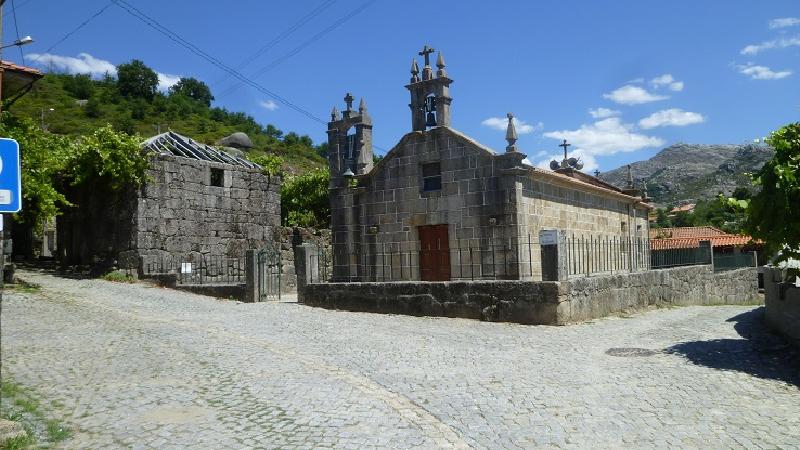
(441, 206)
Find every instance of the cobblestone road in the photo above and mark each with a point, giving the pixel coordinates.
(132, 366)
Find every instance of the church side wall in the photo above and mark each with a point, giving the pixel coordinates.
(551, 205)
(180, 213)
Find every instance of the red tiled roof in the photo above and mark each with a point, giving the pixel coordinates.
(8, 65)
(686, 232)
(689, 207)
(694, 242)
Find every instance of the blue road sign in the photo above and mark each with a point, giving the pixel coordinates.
(10, 180)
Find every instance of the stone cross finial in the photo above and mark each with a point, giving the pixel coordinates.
(362, 106)
(335, 114)
(426, 51)
(348, 99)
(565, 145)
(511, 134)
(597, 174)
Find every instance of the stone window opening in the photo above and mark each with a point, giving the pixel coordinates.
(623, 227)
(431, 177)
(217, 177)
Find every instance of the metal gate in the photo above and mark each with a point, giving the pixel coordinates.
(269, 273)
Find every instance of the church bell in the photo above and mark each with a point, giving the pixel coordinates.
(430, 120)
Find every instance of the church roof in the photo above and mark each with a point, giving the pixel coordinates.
(174, 144)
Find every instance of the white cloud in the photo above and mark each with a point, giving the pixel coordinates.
(165, 81)
(602, 113)
(268, 105)
(635, 81)
(762, 72)
(668, 81)
(522, 127)
(589, 161)
(88, 64)
(632, 95)
(84, 63)
(768, 45)
(671, 117)
(784, 22)
(606, 137)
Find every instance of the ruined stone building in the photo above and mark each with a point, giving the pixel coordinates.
(441, 206)
(197, 200)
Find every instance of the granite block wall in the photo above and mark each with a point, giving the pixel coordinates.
(179, 212)
(782, 306)
(549, 302)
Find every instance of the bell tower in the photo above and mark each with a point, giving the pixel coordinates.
(349, 142)
(430, 96)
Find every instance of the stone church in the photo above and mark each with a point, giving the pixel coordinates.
(441, 206)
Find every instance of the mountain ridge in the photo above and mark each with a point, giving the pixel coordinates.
(685, 172)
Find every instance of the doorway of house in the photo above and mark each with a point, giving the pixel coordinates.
(434, 254)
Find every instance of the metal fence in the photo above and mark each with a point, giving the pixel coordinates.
(473, 259)
(723, 262)
(197, 269)
(589, 255)
(676, 257)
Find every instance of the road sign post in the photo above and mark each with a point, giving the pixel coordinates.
(10, 179)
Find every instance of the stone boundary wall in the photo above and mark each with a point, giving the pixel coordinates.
(543, 302)
(782, 311)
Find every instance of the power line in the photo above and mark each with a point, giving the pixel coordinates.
(154, 24)
(20, 7)
(269, 45)
(305, 44)
(68, 35)
(16, 28)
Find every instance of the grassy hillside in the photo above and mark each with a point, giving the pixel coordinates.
(82, 105)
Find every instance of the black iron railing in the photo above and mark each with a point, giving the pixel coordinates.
(196, 269)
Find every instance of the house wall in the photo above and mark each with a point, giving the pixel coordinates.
(782, 301)
(180, 213)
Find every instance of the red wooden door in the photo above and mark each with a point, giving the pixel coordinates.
(434, 255)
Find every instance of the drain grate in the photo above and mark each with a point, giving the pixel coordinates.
(630, 351)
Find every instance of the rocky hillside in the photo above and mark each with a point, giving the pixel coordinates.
(689, 172)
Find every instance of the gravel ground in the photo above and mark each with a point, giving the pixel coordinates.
(133, 366)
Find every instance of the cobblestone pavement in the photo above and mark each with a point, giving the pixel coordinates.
(142, 367)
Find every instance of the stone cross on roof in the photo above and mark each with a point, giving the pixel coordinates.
(565, 145)
(426, 51)
(349, 100)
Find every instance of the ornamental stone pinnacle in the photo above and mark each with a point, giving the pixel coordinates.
(440, 64)
(511, 134)
(335, 114)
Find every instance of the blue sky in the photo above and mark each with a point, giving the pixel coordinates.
(716, 71)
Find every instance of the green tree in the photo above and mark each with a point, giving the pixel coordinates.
(79, 86)
(92, 108)
(108, 158)
(194, 89)
(136, 80)
(44, 159)
(305, 201)
(662, 219)
(772, 213)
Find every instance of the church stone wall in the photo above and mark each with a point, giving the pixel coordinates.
(382, 216)
(180, 213)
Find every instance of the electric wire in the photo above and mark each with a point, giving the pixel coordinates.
(305, 44)
(154, 24)
(16, 28)
(282, 36)
(75, 30)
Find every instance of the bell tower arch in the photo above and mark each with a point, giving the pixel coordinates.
(430, 96)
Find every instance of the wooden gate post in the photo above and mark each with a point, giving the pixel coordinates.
(252, 291)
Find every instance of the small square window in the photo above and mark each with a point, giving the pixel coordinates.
(217, 177)
(623, 227)
(431, 177)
